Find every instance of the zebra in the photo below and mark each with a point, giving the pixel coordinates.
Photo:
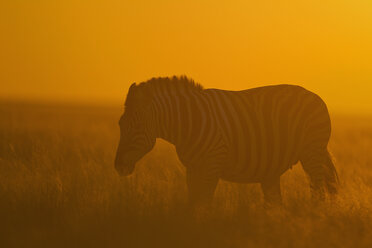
(248, 136)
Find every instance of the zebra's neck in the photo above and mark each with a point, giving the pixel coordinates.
(177, 115)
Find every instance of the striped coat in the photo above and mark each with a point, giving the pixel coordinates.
(249, 136)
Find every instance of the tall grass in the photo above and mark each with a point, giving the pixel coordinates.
(58, 188)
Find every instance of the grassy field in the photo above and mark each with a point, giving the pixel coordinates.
(58, 188)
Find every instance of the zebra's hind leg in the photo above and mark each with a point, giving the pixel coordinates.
(319, 166)
(271, 191)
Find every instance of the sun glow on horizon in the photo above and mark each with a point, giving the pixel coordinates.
(93, 50)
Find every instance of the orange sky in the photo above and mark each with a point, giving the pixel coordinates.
(89, 50)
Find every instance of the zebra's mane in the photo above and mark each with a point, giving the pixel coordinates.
(181, 81)
(163, 83)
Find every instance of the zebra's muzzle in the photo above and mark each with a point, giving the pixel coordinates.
(124, 170)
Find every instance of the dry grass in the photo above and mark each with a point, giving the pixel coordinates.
(58, 188)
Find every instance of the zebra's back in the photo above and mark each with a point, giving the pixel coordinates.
(267, 129)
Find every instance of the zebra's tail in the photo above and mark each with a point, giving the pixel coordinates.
(331, 176)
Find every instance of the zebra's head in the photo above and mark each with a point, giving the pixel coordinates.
(137, 135)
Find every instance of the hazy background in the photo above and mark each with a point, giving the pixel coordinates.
(90, 51)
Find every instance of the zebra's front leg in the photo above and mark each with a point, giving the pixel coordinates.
(272, 192)
(201, 187)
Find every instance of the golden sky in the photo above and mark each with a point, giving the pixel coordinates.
(90, 50)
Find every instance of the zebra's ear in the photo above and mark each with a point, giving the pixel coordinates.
(130, 99)
(133, 91)
(132, 86)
